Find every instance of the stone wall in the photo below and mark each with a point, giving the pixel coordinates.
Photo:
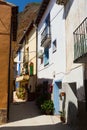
(3, 116)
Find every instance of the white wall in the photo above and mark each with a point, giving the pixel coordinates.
(57, 60)
(75, 13)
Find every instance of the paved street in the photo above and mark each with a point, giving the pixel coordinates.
(26, 116)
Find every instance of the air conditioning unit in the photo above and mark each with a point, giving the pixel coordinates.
(40, 54)
(62, 2)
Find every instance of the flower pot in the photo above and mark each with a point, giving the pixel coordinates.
(62, 93)
(62, 119)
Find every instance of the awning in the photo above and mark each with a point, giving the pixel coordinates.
(22, 78)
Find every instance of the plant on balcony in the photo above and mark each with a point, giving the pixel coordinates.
(47, 107)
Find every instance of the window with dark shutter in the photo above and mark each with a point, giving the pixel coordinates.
(46, 56)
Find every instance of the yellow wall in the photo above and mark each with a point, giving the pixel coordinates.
(31, 44)
(32, 48)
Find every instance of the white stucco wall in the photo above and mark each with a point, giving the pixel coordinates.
(75, 13)
(57, 60)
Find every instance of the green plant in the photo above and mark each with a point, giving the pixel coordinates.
(21, 93)
(40, 100)
(47, 107)
(62, 116)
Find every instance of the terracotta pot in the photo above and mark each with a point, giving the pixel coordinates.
(62, 93)
(62, 119)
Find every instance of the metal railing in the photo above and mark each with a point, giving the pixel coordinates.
(45, 35)
(80, 40)
(61, 2)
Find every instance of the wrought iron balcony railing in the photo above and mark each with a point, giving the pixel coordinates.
(46, 36)
(40, 54)
(80, 42)
(61, 2)
(22, 78)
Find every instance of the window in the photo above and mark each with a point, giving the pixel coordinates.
(47, 21)
(54, 46)
(31, 68)
(19, 67)
(48, 24)
(46, 56)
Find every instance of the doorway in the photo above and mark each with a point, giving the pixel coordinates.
(57, 86)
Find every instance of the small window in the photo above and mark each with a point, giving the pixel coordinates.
(46, 56)
(54, 46)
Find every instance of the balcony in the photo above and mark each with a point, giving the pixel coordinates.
(46, 37)
(62, 2)
(80, 43)
(22, 78)
(40, 54)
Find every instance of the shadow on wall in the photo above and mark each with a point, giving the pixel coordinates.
(82, 108)
(73, 88)
(70, 103)
(81, 93)
(67, 8)
(72, 114)
(41, 80)
(81, 102)
(44, 86)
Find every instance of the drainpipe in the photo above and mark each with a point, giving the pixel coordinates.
(36, 53)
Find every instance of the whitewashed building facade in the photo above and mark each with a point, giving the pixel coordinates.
(61, 24)
(51, 47)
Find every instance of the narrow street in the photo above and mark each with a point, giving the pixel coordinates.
(26, 116)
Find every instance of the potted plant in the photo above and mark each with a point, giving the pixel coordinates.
(21, 93)
(47, 107)
(62, 95)
(62, 116)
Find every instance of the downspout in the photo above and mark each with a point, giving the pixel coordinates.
(36, 54)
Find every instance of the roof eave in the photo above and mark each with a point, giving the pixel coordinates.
(42, 9)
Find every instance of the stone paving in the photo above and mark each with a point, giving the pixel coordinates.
(26, 116)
